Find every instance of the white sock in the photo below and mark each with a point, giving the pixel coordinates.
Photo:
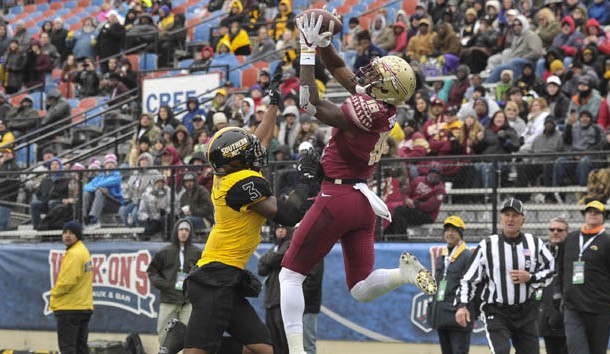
(379, 282)
(292, 304)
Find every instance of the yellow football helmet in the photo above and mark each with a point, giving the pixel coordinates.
(389, 79)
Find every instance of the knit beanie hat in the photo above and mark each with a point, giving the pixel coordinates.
(75, 228)
(556, 65)
(110, 158)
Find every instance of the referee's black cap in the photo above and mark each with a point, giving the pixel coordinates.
(514, 204)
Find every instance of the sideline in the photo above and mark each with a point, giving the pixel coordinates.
(26, 340)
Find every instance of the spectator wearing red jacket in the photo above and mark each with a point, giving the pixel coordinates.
(569, 40)
(423, 199)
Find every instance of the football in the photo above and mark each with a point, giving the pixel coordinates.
(327, 18)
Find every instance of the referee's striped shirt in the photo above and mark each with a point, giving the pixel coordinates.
(492, 262)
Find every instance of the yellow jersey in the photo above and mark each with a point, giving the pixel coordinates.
(237, 229)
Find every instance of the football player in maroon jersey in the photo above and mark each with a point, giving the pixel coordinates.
(345, 208)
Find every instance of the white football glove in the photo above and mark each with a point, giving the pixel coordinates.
(309, 29)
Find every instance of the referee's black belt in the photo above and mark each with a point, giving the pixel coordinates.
(344, 180)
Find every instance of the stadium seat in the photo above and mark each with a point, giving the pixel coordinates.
(16, 10)
(83, 3)
(97, 2)
(148, 61)
(42, 7)
(50, 86)
(249, 77)
(134, 59)
(185, 63)
(75, 26)
(78, 115)
(66, 89)
(261, 65)
(72, 20)
(15, 99)
(22, 155)
(87, 103)
(70, 4)
(98, 117)
(273, 66)
(56, 5)
(38, 100)
(30, 9)
(62, 12)
(73, 102)
(344, 9)
(202, 33)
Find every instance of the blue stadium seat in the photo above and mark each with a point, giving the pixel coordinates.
(33, 30)
(73, 102)
(70, 4)
(22, 155)
(273, 66)
(148, 61)
(62, 12)
(98, 121)
(300, 4)
(16, 10)
(97, 2)
(72, 20)
(185, 63)
(202, 33)
(359, 8)
(50, 86)
(43, 7)
(9, 16)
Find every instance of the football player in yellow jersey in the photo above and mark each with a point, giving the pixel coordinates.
(243, 201)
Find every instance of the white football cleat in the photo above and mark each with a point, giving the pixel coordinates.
(414, 272)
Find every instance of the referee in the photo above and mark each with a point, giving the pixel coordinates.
(506, 269)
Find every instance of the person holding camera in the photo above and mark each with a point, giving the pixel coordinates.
(88, 79)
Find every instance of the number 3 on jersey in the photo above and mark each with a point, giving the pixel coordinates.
(375, 155)
(252, 191)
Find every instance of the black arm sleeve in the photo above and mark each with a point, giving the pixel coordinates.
(247, 191)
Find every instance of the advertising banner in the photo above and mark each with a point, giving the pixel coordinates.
(171, 91)
(125, 300)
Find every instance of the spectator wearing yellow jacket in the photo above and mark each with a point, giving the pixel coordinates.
(283, 20)
(238, 39)
(72, 296)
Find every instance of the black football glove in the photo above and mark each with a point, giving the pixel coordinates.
(274, 89)
(308, 165)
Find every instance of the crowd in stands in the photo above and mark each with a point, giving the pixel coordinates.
(511, 78)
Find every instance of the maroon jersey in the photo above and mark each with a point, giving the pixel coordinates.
(355, 153)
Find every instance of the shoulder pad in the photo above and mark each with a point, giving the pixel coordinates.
(368, 114)
(247, 191)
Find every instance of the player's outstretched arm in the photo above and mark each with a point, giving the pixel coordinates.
(264, 131)
(309, 100)
(338, 68)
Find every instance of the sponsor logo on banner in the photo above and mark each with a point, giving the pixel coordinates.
(119, 280)
(420, 306)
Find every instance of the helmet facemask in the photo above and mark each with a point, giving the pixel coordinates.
(380, 80)
(251, 155)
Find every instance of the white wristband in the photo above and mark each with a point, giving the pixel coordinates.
(308, 58)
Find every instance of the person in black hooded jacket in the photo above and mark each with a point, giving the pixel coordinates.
(167, 271)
